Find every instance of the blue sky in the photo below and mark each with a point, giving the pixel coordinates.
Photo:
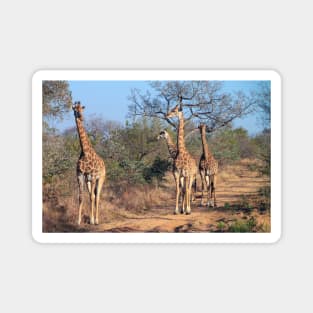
(109, 99)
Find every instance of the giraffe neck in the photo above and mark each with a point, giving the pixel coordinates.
(171, 146)
(206, 151)
(180, 134)
(83, 138)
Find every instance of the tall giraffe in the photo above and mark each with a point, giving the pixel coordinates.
(90, 168)
(185, 168)
(172, 149)
(208, 168)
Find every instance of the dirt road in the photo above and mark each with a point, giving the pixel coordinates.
(237, 197)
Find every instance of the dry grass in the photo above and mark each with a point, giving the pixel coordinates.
(60, 206)
(142, 198)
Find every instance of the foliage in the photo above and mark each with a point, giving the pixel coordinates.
(156, 172)
(59, 156)
(229, 145)
(221, 226)
(224, 146)
(263, 140)
(132, 150)
(56, 98)
(243, 226)
(263, 151)
(140, 137)
(227, 206)
(132, 153)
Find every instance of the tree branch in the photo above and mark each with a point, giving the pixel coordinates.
(199, 100)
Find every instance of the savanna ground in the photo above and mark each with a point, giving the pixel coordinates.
(243, 205)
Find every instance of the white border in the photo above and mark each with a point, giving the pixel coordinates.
(41, 237)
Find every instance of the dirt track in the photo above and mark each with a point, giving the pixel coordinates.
(237, 189)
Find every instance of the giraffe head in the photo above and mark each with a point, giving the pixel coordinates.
(78, 110)
(163, 135)
(174, 112)
(202, 127)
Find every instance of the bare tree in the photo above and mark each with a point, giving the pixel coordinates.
(204, 101)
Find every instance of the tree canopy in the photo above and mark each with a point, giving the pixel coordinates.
(203, 101)
(56, 98)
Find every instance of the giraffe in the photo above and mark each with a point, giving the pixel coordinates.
(185, 168)
(90, 168)
(172, 149)
(208, 168)
(170, 144)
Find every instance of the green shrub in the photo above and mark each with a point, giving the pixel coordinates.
(263, 152)
(157, 170)
(221, 226)
(243, 226)
(226, 206)
(229, 145)
(57, 159)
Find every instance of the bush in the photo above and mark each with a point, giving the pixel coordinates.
(263, 151)
(243, 227)
(58, 157)
(221, 226)
(114, 171)
(229, 145)
(133, 171)
(157, 170)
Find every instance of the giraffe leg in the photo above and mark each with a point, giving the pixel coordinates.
(88, 183)
(213, 189)
(208, 186)
(186, 193)
(192, 180)
(176, 175)
(98, 193)
(183, 195)
(212, 201)
(92, 200)
(80, 180)
(189, 190)
(202, 185)
(181, 192)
